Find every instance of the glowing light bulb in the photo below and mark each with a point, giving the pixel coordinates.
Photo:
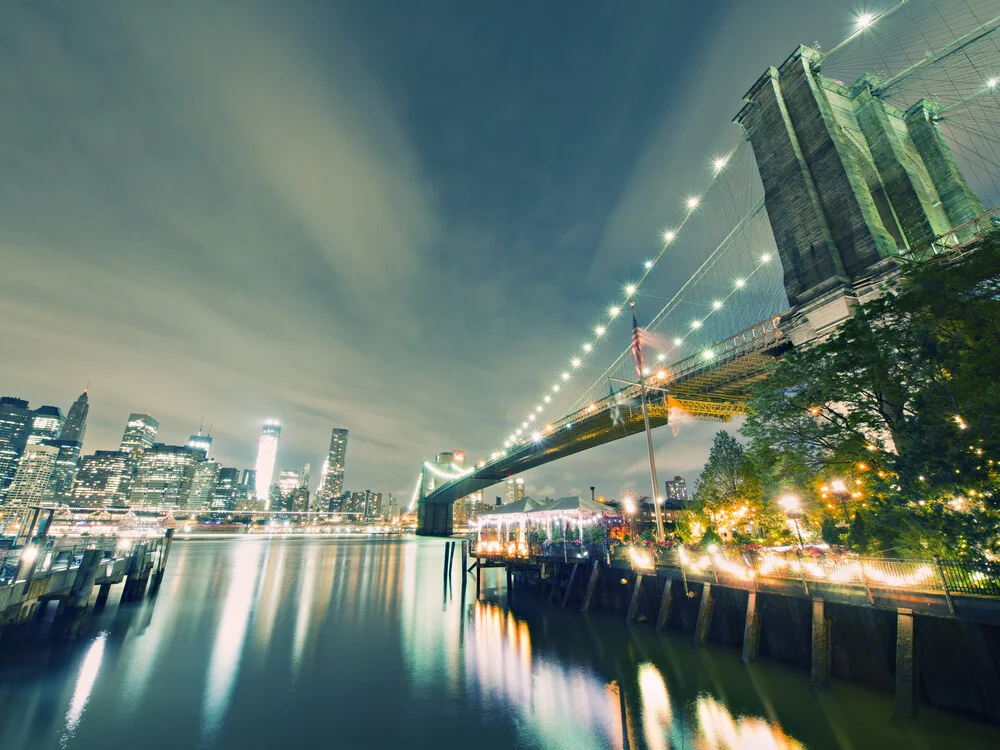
(668, 236)
(565, 376)
(765, 258)
(555, 388)
(538, 408)
(678, 341)
(614, 311)
(630, 290)
(865, 20)
(717, 305)
(587, 347)
(536, 436)
(575, 361)
(708, 354)
(524, 425)
(599, 331)
(531, 417)
(696, 324)
(719, 164)
(548, 399)
(649, 264)
(661, 357)
(992, 83)
(740, 283)
(693, 202)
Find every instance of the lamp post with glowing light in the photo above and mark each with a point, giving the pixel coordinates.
(630, 511)
(791, 505)
(840, 490)
(645, 418)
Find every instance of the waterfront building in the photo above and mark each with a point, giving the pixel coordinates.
(46, 424)
(331, 481)
(15, 421)
(140, 433)
(677, 493)
(64, 471)
(99, 479)
(513, 490)
(206, 475)
(224, 497)
(267, 452)
(75, 426)
(201, 442)
(164, 476)
(31, 482)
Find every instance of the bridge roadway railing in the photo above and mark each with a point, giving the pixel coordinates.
(59, 554)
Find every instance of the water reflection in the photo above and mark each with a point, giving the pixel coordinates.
(361, 644)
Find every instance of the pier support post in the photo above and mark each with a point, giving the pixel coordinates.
(820, 645)
(569, 584)
(591, 586)
(666, 601)
(556, 572)
(479, 569)
(168, 539)
(465, 566)
(102, 595)
(86, 574)
(704, 615)
(905, 702)
(751, 632)
(510, 584)
(633, 605)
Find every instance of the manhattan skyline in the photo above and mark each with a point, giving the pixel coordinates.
(288, 235)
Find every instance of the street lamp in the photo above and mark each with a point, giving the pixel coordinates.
(630, 510)
(840, 490)
(791, 505)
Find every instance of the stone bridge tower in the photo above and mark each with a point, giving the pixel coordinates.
(850, 182)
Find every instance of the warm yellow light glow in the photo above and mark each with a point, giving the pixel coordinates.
(587, 347)
(555, 388)
(790, 503)
(696, 324)
(838, 485)
(565, 376)
(575, 361)
(531, 417)
(678, 341)
(865, 20)
(719, 164)
(614, 311)
(649, 264)
(548, 399)
(661, 357)
(740, 283)
(599, 330)
(668, 236)
(765, 258)
(992, 83)
(693, 201)
(708, 354)
(717, 305)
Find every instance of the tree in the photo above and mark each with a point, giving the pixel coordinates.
(857, 539)
(905, 390)
(729, 493)
(829, 531)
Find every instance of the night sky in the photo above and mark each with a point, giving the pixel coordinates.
(397, 218)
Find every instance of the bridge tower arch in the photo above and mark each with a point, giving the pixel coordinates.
(850, 182)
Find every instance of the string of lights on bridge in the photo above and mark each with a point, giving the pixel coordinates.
(524, 432)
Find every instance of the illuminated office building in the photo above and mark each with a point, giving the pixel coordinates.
(46, 424)
(224, 497)
(99, 477)
(331, 481)
(15, 421)
(267, 452)
(75, 426)
(31, 482)
(206, 474)
(140, 433)
(164, 476)
(65, 468)
(201, 442)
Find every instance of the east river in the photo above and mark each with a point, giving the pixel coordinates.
(288, 643)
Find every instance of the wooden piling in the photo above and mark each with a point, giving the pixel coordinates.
(906, 698)
(479, 570)
(569, 584)
(633, 605)
(665, 603)
(704, 615)
(591, 586)
(820, 675)
(751, 631)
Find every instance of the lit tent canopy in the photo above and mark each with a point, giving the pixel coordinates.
(569, 511)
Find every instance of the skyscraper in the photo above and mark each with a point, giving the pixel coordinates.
(200, 442)
(267, 452)
(140, 433)
(31, 482)
(331, 482)
(165, 476)
(514, 490)
(206, 475)
(677, 492)
(15, 420)
(224, 497)
(75, 425)
(99, 479)
(64, 471)
(46, 424)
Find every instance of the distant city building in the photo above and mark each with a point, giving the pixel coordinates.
(99, 479)
(225, 489)
(331, 480)
(677, 492)
(46, 424)
(455, 459)
(64, 472)
(469, 507)
(15, 421)
(206, 474)
(514, 490)
(245, 497)
(267, 452)
(367, 504)
(165, 476)
(201, 442)
(31, 482)
(299, 500)
(75, 426)
(140, 433)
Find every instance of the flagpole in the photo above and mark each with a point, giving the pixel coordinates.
(649, 435)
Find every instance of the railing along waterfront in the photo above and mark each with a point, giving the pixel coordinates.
(56, 555)
(918, 575)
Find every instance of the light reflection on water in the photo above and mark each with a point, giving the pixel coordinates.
(265, 643)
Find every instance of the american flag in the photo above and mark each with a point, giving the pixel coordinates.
(636, 345)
